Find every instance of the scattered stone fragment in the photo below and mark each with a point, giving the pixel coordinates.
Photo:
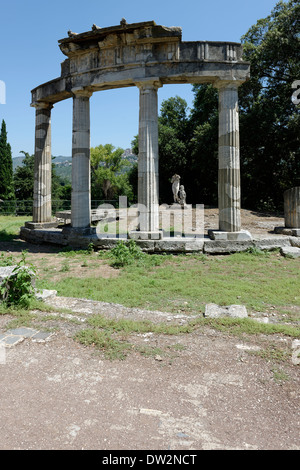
(290, 251)
(41, 336)
(235, 311)
(45, 294)
(17, 335)
(23, 331)
(158, 357)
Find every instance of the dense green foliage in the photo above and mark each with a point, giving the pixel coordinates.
(23, 178)
(108, 175)
(24, 181)
(17, 289)
(269, 120)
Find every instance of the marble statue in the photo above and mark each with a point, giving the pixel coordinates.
(175, 187)
(182, 195)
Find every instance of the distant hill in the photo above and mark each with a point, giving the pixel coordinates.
(17, 161)
(63, 165)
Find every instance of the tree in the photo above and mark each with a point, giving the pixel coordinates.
(107, 173)
(6, 166)
(188, 146)
(173, 138)
(24, 180)
(269, 120)
(203, 146)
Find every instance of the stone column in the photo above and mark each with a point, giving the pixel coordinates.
(229, 185)
(148, 161)
(42, 164)
(81, 173)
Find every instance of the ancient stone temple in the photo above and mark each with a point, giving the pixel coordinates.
(147, 56)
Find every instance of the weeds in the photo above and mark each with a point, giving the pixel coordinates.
(17, 289)
(65, 267)
(126, 253)
(7, 260)
(102, 340)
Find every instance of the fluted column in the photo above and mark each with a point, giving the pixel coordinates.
(148, 156)
(81, 173)
(229, 186)
(42, 164)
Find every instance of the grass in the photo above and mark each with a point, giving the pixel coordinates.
(263, 282)
(186, 283)
(10, 226)
(111, 336)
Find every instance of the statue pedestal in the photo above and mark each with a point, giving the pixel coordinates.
(177, 206)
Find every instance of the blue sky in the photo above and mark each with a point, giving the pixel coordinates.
(30, 56)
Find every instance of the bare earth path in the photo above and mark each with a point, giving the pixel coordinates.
(208, 390)
(213, 394)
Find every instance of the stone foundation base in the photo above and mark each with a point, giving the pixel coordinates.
(81, 238)
(229, 236)
(80, 231)
(290, 231)
(141, 235)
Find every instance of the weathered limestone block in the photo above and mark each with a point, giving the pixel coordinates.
(234, 311)
(290, 251)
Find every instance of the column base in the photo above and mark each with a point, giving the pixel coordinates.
(143, 235)
(229, 236)
(291, 231)
(41, 225)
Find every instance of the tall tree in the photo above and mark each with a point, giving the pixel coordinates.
(24, 180)
(6, 166)
(107, 173)
(173, 138)
(269, 120)
(203, 147)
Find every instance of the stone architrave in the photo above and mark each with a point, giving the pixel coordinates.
(148, 157)
(42, 164)
(81, 173)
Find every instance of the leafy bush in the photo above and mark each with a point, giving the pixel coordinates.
(17, 289)
(126, 253)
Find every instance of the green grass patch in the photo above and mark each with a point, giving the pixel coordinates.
(10, 226)
(164, 282)
(103, 341)
(104, 334)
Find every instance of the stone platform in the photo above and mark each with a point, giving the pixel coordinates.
(199, 244)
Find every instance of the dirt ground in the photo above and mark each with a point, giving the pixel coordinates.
(203, 391)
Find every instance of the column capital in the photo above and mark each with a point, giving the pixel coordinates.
(80, 92)
(42, 105)
(149, 84)
(222, 84)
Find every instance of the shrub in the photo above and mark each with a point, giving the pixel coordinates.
(18, 289)
(126, 253)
